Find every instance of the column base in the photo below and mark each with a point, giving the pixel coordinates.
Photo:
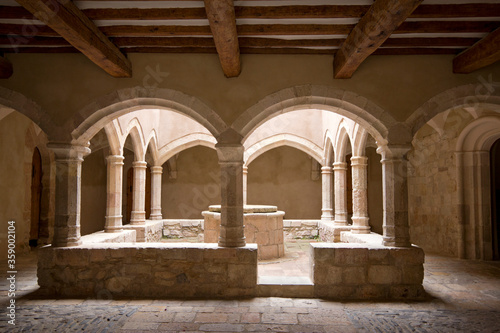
(235, 243)
(138, 218)
(326, 215)
(155, 217)
(67, 243)
(360, 225)
(113, 229)
(392, 242)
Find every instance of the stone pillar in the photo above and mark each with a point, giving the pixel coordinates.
(231, 164)
(114, 197)
(340, 171)
(156, 172)
(360, 218)
(395, 195)
(138, 215)
(245, 185)
(326, 194)
(68, 160)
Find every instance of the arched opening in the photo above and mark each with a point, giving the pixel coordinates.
(36, 197)
(289, 179)
(128, 183)
(495, 198)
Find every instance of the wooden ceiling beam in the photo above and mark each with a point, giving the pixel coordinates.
(6, 69)
(220, 14)
(69, 22)
(383, 17)
(485, 52)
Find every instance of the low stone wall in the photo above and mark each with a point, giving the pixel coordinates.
(328, 232)
(179, 270)
(124, 236)
(150, 232)
(182, 228)
(364, 271)
(298, 229)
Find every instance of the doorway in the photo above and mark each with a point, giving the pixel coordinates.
(36, 196)
(495, 198)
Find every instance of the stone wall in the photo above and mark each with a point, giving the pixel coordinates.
(148, 270)
(432, 185)
(150, 232)
(182, 228)
(298, 229)
(363, 271)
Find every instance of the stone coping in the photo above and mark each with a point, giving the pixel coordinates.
(329, 245)
(248, 209)
(371, 238)
(109, 237)
(176, 245)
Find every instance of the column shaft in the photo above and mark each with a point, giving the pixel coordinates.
(231, 164)
(360, 218)
(138, 215)
(340, 170)
(245, 185)
(156, 172)
(395, 196)
(68, 160)
(326, 194)
(114, 197)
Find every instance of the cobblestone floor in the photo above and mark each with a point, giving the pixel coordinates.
(464, 297)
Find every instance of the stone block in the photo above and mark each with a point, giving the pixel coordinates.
(379, 256)
(242, 276)
(408, 255)
(268, 252)
(351, 256)
(72, 257)
(369, 291)
(354, 275)
(384, 274)
(412, 274)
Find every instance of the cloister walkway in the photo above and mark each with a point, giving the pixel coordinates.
(464, 296)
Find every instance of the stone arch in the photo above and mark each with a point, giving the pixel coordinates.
(188, 141)
(345, 103)
(152, 144)
(341, 141)
(259, 148)
(328, 154)
(468, 96)
(13, 100)
(135, 133)
(115, 145)
(474, 193)
(359, 141)
(94, 116)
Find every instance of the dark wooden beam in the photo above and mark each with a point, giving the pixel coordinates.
(483, 53)
(383, 17)
(220, 14)
(5, 68)
(69, 22)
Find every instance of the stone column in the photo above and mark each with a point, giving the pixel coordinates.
(340, 171)
(231, 164)
(138, 215)
(326, 194)
(156, 172)
(68, 160)
(360, 218)
(114, 197)
(245, 185)
(395, 195)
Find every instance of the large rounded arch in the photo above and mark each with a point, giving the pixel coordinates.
(466, 96)
(96, 115)
(183, 143)
(345, 103)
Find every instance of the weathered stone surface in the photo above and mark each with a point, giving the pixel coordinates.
(149, 270)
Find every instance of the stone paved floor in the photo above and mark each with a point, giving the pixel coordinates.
(464, 297)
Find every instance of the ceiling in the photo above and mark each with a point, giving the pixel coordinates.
(356, 29)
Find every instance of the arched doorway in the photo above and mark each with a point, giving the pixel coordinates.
(36, 196)
(495, 198)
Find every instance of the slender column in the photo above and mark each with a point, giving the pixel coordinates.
(339, 171)
(69, 160)
(245, 185)
(395, 196)
(360, 218)
(326, 194)
(114, 198)
(231, 165)
(138, 215)
(156, 172)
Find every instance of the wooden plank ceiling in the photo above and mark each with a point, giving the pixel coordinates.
(351, 30)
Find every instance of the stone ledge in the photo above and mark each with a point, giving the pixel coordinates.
(123, 236)
(151, 231)
(371, 238)
(367, 271)
(178, 270)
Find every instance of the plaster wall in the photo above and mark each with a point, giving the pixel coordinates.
(196, 186)
(282, 177)
(94, 194)
(13, 194)
(398, 84)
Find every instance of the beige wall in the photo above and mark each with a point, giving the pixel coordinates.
(282, 177)
(13, 194)
(196, 187)
(65, 83)
(93, 192)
